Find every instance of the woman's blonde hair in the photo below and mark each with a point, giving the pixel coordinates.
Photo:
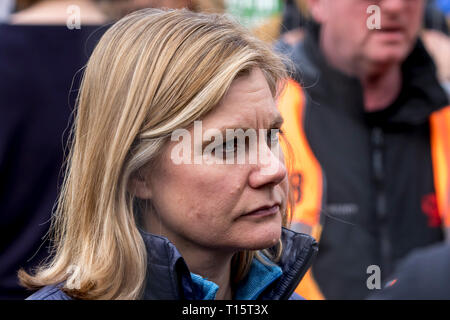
(152, 72)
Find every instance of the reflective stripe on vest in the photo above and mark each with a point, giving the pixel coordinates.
(440, 150)
(305, 175)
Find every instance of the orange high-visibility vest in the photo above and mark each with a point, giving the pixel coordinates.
(440, 150)
(306, 175)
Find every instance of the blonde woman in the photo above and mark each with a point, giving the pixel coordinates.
(133, 222)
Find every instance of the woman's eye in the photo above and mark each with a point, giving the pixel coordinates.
(273, 136)
(226, 147)
(230, 145)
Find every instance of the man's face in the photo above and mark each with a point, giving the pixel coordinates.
(345, 28)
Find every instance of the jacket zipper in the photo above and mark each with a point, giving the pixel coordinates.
(379, 177)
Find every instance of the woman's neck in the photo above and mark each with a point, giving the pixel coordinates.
(212, 266)
(55, 12)
(209, 263)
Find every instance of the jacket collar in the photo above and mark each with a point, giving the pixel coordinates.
(168, 277)
(260, 276)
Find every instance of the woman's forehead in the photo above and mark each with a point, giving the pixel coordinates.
(248, 103)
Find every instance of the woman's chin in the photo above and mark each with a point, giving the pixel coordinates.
(259, 241)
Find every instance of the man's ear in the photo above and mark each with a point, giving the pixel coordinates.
(139, 186)
(317, 10)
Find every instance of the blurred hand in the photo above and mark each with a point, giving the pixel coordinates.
(438, 45)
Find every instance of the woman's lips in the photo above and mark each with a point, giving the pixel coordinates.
(263, 212)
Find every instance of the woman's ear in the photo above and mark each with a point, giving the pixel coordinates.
(139, 186)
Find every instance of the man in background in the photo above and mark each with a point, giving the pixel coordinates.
(5, 9)
(369, 126)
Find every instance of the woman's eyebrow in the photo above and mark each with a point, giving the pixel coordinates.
(275, 123)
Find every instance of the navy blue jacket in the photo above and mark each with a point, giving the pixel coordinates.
(168, 277)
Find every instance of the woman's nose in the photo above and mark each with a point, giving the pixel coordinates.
(270, 168)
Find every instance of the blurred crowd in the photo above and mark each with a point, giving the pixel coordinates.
(368, 117)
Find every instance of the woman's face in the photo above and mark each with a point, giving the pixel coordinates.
(207, 205)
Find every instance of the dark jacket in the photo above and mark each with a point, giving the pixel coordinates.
(38, 68)
(168, 277)
(379, 199)
(423, 275)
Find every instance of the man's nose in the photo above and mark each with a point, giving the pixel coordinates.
(393, 7)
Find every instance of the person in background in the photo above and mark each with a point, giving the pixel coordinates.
(39, 57)
(40, 63)
(369, 123)
(437, 41)
(438, 45)
(434, 34)
(120, 8)
(295, 19)
(435, 18)
(6, 7)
